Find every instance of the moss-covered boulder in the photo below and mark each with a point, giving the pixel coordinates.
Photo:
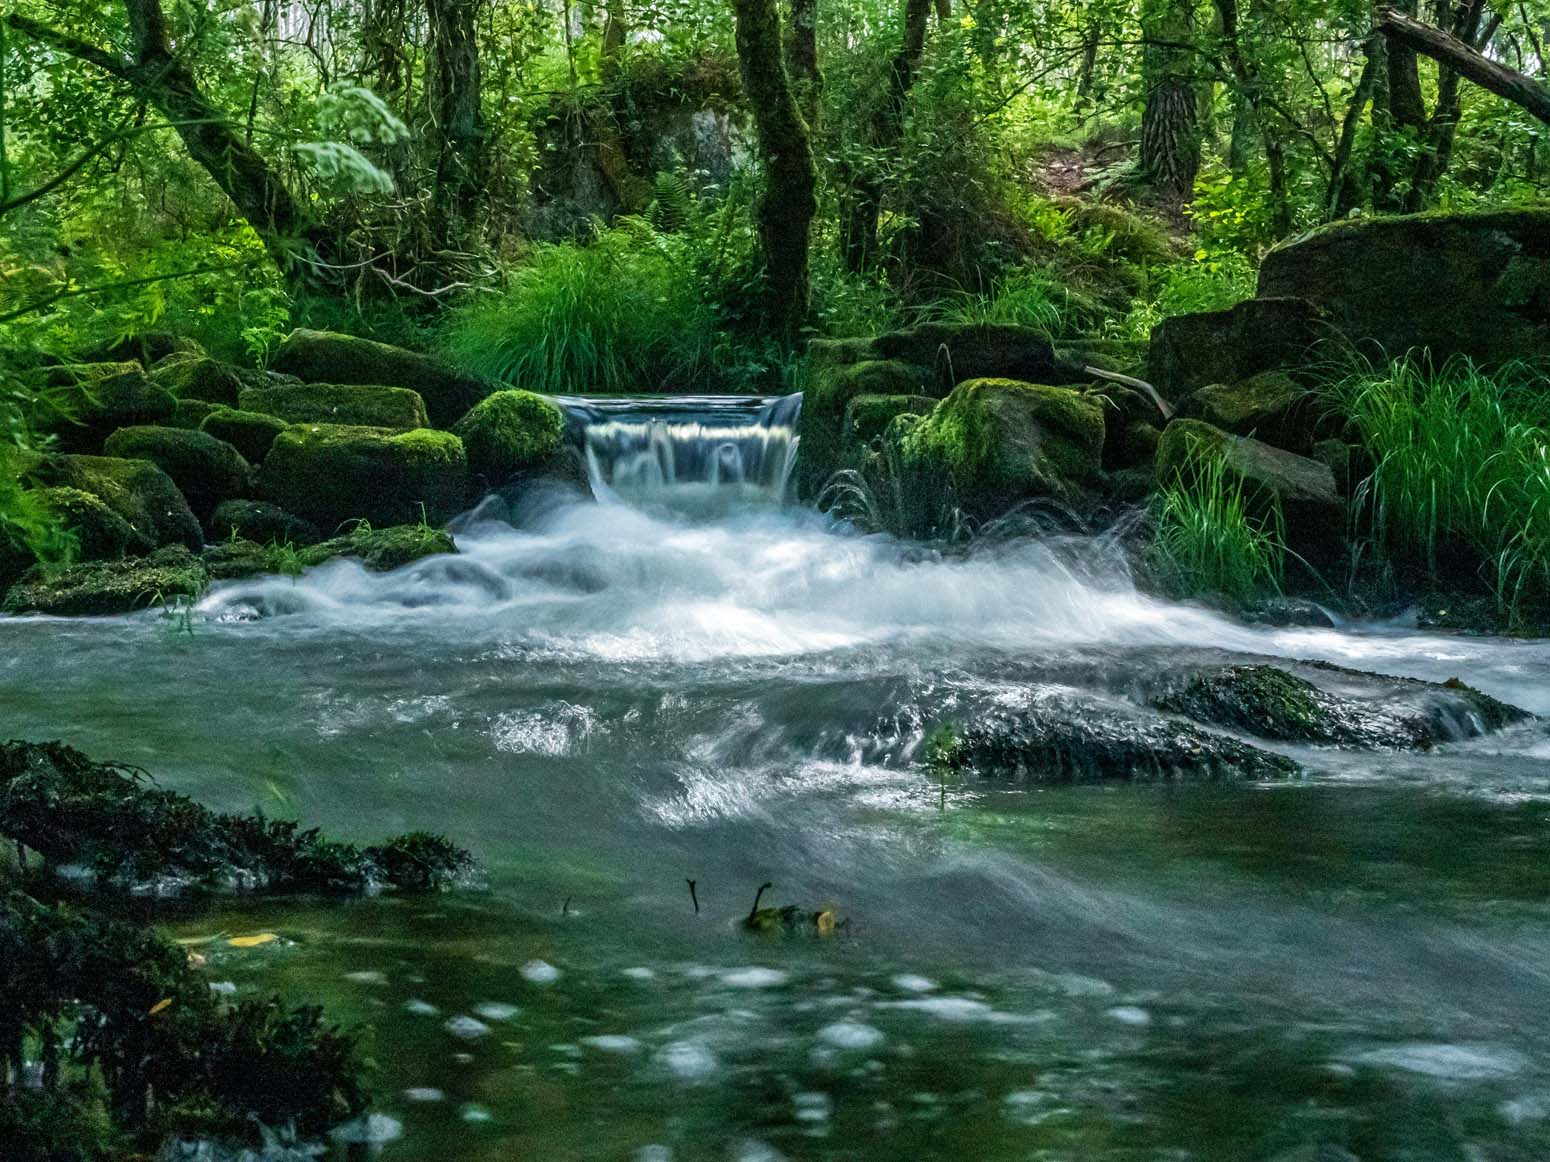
(1270, 406)
(1266, 334)
(867, 416)
(251, 433)
(1074, 742)
(330, 474)
(358, 405)
(821, 426)
(192, 376)
(956, 352)
(137, 490)
(255, 520)
(510, 433)
(191, 414)
(1348, 709)
(100, 533)
(206, 470)
(84, 403)
(327, 357)
(999, 441)
(101, 588)
(382, 549)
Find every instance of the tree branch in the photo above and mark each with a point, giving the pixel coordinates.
(1448, 50)
(119, 67)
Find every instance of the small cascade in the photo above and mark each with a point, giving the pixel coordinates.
(715, 452)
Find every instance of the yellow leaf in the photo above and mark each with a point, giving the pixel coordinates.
(252, 941)
(161, 1006)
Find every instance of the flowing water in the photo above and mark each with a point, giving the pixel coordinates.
(606, 700)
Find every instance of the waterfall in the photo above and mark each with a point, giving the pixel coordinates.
(686, 451)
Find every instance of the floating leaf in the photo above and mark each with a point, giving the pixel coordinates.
(252, 941)
(161, 1006)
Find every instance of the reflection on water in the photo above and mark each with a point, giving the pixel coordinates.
(606, 701)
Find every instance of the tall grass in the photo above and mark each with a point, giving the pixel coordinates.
(1213, 536)
(623, 313)
(1461, 465)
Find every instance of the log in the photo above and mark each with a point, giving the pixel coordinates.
(1519, 88)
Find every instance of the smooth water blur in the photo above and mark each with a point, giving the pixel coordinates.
(607, 701)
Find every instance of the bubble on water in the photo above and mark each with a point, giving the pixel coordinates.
(850, 1035)
(1129, 1015)
(946, 1008)
(754, 978)
(372, 1129)
(424, 1093)
(1518, 1111)
(654, 1153)
(472, 1112)
(688, 1061)
(1029, 1107)
(753, 1150)
(613, 1043)
(812, 1107)
(911, 983)
(467, 1028)
(368, 977)
(540, 972)
(420, 1008)
(1447, 1062)
(225, 988)
(496, 1011)
(640, 973)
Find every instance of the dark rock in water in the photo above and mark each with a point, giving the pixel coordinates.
(382, 549)
(114, 821)
(325, 357)
(103, 588)
(251, 433)
(137, 490)
(362, 405)
(836, 381)
(255, 520)
(1071, 742)
(1359, 710)
(206, 470)
(1294, 612)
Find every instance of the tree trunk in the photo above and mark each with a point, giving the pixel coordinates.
(786, 210)
(1170, 121)
(452, 89)
(1406, 105)
(1344, 192)
(802, 59)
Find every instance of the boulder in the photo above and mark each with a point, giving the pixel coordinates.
(327, 357)
(357, 405)
(1265, 334)
(1270, 406)
(956, 352)
(191, 376)
(137, 490)
(1069, 741)
(1457, 284)
(330, 474)
(1348, 709)
(866, 416)
(254, 520)
(86, 402)
(191, 413)
(382, 549)
(206, 470)
(833, 384)
(101, 588)
(1000, 441)
(251, 433)
(100, 533)
(509, 433)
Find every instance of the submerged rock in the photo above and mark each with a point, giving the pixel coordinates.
(206, 470)
(359, 405)
(102, 588)
(1063, 741)
(509, 433)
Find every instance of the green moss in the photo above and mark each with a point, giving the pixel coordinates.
(251, 433)
(830, 389)
(382, 549)
(358, 405)
(866, 416)
(191, 413)
(137, 490)
(100, 533)
(255, 520)
(998, 441)
(509, 433)
(206, 470)
(331, 474)
(192, 376)
(83, 405)
(101, 588)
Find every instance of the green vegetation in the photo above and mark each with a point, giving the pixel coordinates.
(510, 432)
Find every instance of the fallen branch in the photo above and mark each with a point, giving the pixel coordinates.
(1519, 88)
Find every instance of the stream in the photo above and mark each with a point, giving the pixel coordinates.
(689, 680)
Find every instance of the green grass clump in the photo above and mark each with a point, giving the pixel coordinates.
(623, 313)
(1213, 536)
(1461, 470)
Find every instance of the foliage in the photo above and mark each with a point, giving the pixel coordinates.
(1206, 284)
(1461, 471)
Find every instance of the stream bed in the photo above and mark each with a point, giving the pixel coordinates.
(604, 701)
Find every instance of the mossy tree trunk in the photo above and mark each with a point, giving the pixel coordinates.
(789, 202)
(1170, 121)
(802, 59)
(452, 88)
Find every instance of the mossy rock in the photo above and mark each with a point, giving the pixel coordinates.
(331, 474)
(251, 433)
(821, 425)
(510, 433)
(190, 376)
(100, 533)
(102, 588)
(955, 352)
(206, 470)
(255, 520)
(1000, 441)
(382, 549)
(1069, 741)
(191, 414)
(1136, 239)
(328, 357)
(137, 490)
(1264, 334)
(357, 405)
(866, 416)
(1270, 406)
(85, 403)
